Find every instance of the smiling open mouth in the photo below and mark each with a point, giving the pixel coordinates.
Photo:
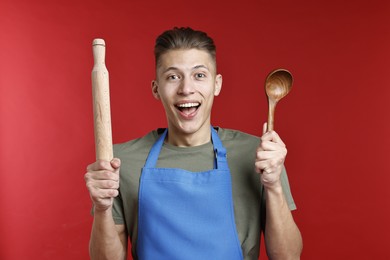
(188, 108)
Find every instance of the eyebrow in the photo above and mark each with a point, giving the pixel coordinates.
(200, 67)
(193, 68)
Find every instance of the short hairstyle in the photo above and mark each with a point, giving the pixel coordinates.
(183, 38)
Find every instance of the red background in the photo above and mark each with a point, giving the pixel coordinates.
(335, 122)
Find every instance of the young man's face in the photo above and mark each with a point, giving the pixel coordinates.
(186, 83)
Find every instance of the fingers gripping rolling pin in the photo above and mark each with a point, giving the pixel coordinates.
(101, 102)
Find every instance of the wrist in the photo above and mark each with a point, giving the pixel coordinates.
(106, 211)
(275, 197)
(275, 188)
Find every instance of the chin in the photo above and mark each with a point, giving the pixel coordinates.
(189, 128)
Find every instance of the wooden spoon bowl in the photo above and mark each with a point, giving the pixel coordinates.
(277, 85)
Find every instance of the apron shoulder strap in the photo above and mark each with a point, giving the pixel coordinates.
(151, 161)
(220, 151)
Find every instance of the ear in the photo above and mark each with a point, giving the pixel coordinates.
(155, 90)
(218, 84)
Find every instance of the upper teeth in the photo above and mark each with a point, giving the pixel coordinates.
(188, 105)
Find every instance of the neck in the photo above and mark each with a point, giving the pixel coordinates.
(180, 138)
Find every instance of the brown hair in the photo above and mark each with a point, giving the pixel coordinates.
(183, 38)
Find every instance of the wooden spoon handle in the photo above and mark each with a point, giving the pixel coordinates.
(101, 102)
(271, 114)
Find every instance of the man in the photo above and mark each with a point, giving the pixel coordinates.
(192, 191)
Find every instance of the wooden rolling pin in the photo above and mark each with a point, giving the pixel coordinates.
(101, 102)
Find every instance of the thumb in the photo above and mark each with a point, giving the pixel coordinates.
(116, 163)
(265, 125)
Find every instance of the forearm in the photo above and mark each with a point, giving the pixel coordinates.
(282, 237)
(106, 241)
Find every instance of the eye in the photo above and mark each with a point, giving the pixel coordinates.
(200, 75)
(172, 77)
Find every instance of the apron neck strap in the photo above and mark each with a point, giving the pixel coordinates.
(219, 151)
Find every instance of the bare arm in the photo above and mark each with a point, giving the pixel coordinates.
(282, 237)
(108, 241)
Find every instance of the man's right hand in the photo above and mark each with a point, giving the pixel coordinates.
(102, 181)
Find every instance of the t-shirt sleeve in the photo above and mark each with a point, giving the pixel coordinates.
(117, 211)
(117, 207)
(287, 190)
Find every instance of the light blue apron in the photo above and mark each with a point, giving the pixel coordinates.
(187, 215)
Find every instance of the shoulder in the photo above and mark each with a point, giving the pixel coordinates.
(233, 137)
(139, 145)
(240, 146)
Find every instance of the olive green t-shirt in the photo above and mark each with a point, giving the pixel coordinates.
(246, 184)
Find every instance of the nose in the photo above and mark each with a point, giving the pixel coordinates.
(186, 86)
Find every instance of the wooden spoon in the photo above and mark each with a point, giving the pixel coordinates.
(277, 85)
